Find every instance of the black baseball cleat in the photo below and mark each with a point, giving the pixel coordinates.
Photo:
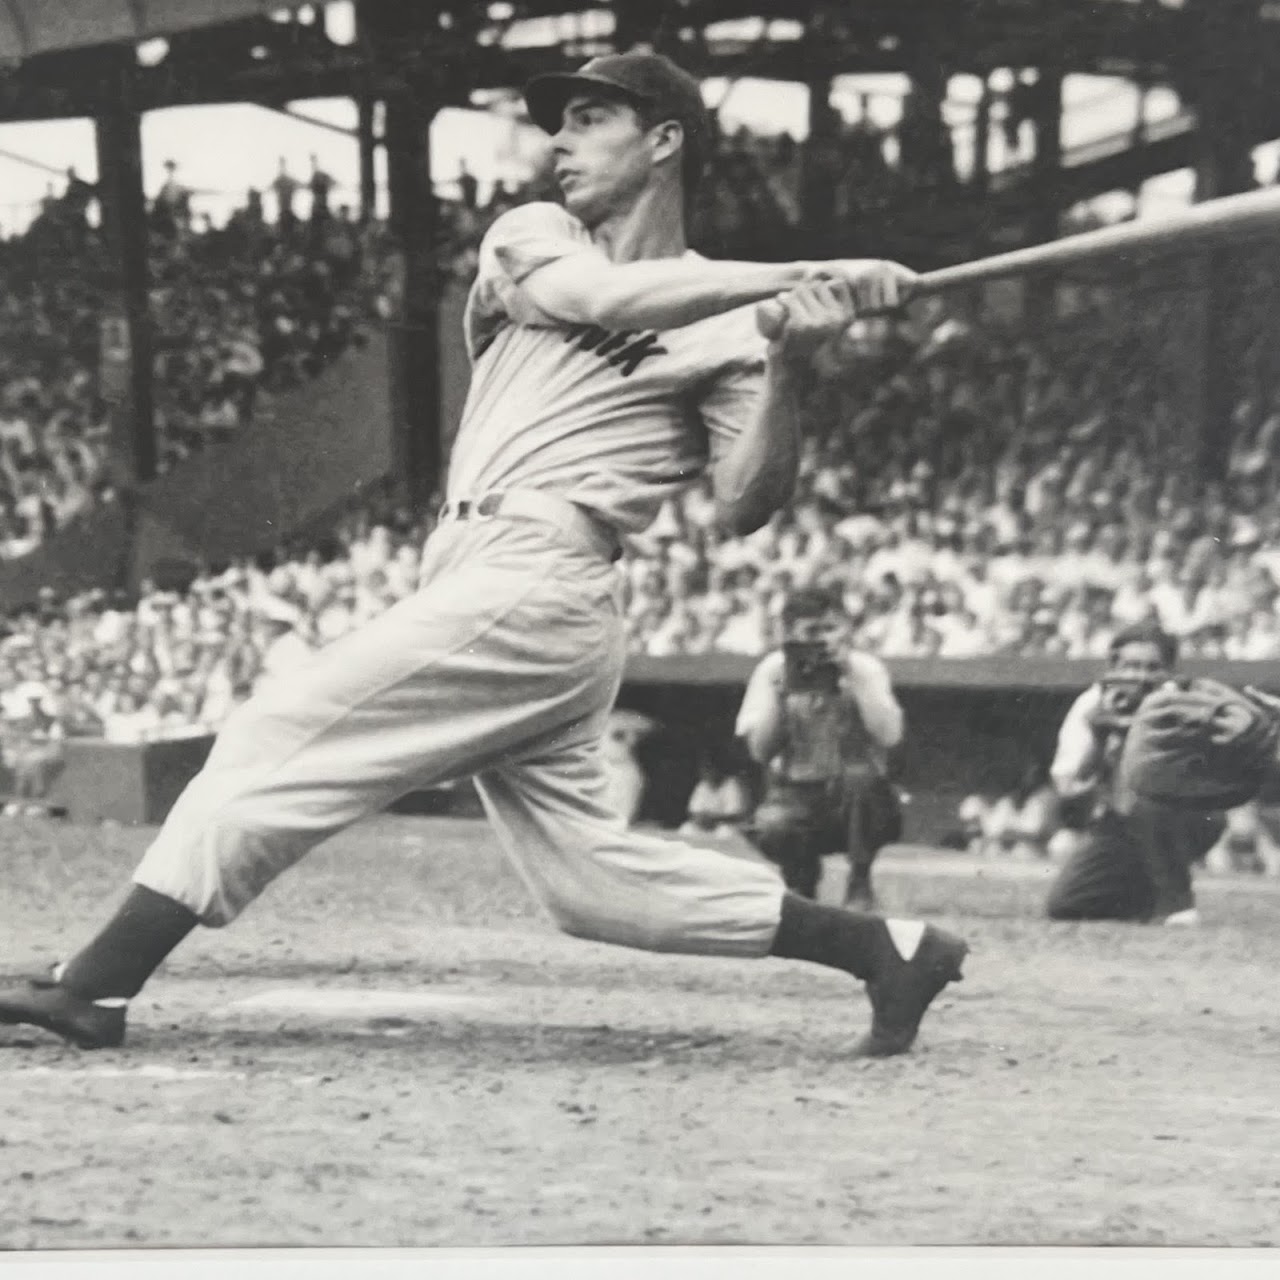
(920, 963)
(46, 1003)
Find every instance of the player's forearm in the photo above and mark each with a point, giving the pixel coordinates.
(1077, 760)
(759, 726)
(1074, 774)
(885, 722)
(872, 689)
(759, 723)
(762, 742)
(661, 293)
(757, 474)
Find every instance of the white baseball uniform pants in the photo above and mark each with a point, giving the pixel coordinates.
(504, 666)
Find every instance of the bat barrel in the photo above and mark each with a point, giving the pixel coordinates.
(1230, 220)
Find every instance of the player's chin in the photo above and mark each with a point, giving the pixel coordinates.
(580, 204)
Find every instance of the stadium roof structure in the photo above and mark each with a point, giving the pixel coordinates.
(64, 53)
(779, 39)
(29, 27)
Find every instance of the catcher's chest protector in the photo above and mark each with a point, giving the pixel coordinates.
(824, 734)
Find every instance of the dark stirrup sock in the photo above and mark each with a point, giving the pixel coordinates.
(130, 947)
(831, 936)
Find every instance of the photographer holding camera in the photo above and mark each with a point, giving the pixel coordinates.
(821, 719)
(1133, 857)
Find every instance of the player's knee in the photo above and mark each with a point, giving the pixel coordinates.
(240, 839)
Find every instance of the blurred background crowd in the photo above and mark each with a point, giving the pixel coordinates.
(969, 487)
(241, 311)
(972, 490)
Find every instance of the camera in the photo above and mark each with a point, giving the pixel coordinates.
(1122, 695)
(811, 667)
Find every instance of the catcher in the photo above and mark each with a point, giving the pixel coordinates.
(1135, 850)
(1199, 747)
(821, 719)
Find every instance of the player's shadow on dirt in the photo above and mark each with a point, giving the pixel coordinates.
(328, 970)
(498, 1044)
(493, 975)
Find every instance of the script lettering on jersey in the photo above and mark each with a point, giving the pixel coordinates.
(626, 350)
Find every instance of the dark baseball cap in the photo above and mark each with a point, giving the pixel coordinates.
(647, 79)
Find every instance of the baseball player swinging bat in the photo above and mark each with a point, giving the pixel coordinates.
(611, 367)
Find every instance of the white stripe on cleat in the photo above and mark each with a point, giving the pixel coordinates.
(906, 935)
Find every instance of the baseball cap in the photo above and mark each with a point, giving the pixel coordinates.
(647, 79)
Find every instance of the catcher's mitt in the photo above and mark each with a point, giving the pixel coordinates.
(1199, 744)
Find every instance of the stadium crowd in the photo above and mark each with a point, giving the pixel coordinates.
(972, 491)
(970, 487)
(969, 491)
(174, 662)
(246, 309)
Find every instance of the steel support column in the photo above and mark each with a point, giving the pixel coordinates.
(1226, 94)
(126, 337)
(1045, 221)
(416, 338)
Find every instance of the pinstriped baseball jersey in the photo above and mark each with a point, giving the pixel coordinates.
(616, 422)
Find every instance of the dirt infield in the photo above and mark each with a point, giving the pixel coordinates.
(392, 1048)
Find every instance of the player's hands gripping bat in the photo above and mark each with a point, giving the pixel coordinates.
(802, 320)
(1199, 744)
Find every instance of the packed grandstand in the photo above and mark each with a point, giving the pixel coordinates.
(969, 488)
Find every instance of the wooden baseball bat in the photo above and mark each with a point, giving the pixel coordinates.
(1230, 219)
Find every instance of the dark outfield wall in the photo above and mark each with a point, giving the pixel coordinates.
(972, 725)
(965, 732)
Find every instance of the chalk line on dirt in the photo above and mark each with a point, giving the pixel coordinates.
(143, 1070)
(357, 1002)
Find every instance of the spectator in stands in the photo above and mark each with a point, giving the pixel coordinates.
(171, 208)
(623, 774)
(285, 188)
(31, 744)
(1022, 823)
(320, 185)
(720, 804)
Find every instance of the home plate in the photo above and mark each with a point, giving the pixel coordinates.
(359, 1002)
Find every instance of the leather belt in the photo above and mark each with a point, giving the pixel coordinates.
(576, 523)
